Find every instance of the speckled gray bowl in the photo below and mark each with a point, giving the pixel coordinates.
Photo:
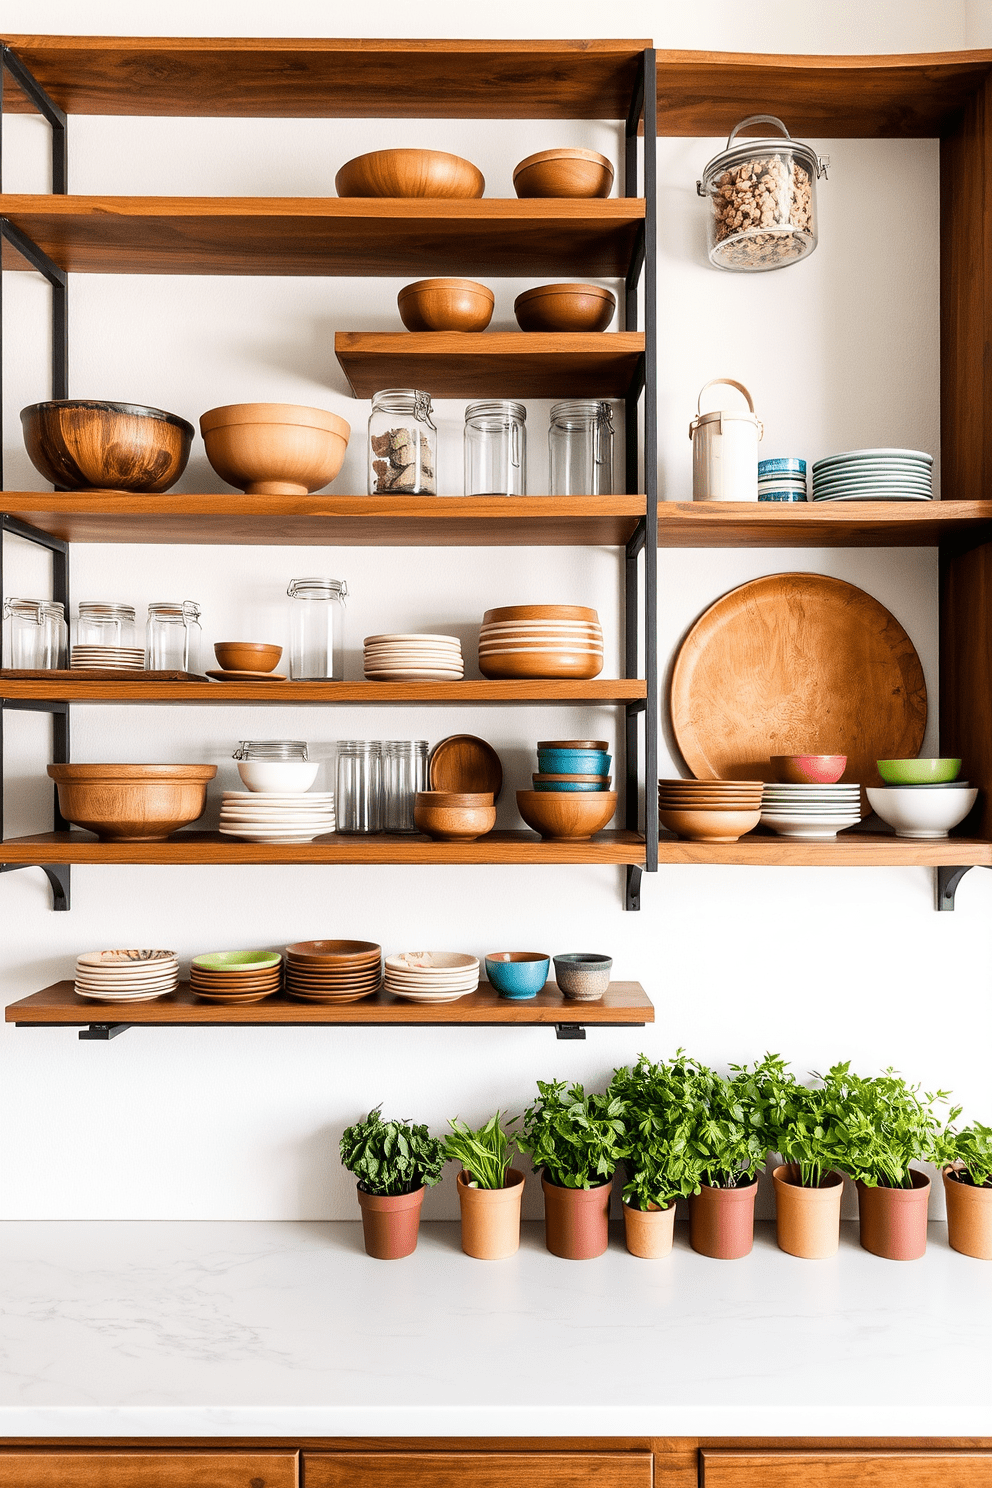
(583, 976)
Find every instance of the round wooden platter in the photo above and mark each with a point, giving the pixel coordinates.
(463, 762)
(796, 663)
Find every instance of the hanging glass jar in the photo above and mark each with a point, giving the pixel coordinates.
(358, 799)
(173, 636)
(33, 634)
(581, 446)
(316, 629)
(100, 623)
(495, 448)
(404, 773)
(402, 444)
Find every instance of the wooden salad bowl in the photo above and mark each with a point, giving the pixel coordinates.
(82, 444)
(432, 173)
(132, 803)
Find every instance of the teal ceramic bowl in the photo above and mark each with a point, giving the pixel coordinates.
(566, 785)
(238, 960)
(517, 975)
(573, 762)
(919, 771)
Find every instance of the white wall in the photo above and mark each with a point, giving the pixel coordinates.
(822, 964)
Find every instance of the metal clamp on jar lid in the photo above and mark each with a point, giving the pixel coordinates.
(763, 194)
(271, 749)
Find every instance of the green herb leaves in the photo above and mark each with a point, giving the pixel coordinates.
(391, 1157)
(484, 1154)
(577, 1139)
(971, 1147)
(882, 1125)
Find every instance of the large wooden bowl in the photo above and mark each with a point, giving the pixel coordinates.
(445, 305)
(565, 307)
(564, 172)
(275, 449)
(84, 444)
(132, 803)
(566, 816)
(541, 664)
(410, 173)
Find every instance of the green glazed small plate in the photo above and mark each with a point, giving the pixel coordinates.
(231, 960)
(919, 771)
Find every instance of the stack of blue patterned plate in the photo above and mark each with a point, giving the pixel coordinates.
(874, 475)
(782, 479)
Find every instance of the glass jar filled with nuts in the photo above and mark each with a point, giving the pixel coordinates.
(763, 199)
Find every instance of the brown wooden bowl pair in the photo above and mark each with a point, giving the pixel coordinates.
(82, 443)
(446, 305)
(455, 816)
(565, 307)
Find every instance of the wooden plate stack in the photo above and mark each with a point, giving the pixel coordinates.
(236, 976)
(541, 641)
(333, 970)
(709, 810)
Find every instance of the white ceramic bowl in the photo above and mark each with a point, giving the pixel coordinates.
(278, 775)
(921, 813)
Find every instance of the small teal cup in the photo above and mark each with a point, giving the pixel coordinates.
(517, 975)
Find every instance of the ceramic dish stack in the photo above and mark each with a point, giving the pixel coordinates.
(431, 976)
(709, 810)
(236, 976)
(783, 479)
(107, 658)
(542, 641)
(874, 475)
(413, 658)
(921, 797)
(810, 811)
(573, 765)
(126, 976)
(333, 970)
(277, 816)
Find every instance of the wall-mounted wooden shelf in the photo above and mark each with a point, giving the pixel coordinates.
(850, 850)
(602, 690)
(826, 524)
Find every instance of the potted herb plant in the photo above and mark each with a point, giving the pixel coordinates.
(727, 1138)
(801, 1125)
(966, 1159)
(576, 1141)
(884, 1124)
(393, 1162)
(658, 1160)
(489, 1190)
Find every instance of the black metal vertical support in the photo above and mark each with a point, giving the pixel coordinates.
(48, 108)
(651, 458)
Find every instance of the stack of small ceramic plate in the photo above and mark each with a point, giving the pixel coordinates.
(817, 811)
(126, 976)
(413, 658)
(874, 475)
(333, 970)
(783, 479)
(709, 810)
(277, 816)
(112, 658)
(431, 976)
(236, 976)
(541, 641)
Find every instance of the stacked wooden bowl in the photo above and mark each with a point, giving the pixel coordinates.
(709, 810)
(541, 641)
(236, 976)
(333, 970)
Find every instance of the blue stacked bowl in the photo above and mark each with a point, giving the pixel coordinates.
(573, 765)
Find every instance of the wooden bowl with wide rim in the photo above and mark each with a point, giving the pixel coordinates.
(275, 449)
(83, 443)
(132, 803)
(567, 816)
(407, 172)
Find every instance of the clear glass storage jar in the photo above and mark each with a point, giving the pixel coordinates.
(272, 749)
(762, 200)
(105, 624)
(34, 634)
(358, 798)
(404, 773)
(316, 629)
(581, 446)
(173, 636)
(402, 444)
(495, 448)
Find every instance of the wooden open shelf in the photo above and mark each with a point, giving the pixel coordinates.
(357, 236)
(825, 524)
(850, 850)
(122, 689)
(58, 1006)
(521, 847)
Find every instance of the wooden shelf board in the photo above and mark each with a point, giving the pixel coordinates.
(623, 1002)
(307, 78)
(857, 850)
(280, 694)
(358, 237)
(491, 364)
(325, 521)
(834, 524)
(521, 847)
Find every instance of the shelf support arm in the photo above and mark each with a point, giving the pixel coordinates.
(948, 879)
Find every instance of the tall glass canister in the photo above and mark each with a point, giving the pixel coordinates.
(495, 448)
(173, 636)
(316, 629)
(404, 773)
(581, 446)
(358, 799)
(402, 444)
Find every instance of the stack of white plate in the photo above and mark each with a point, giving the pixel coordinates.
(115, 658)
(277, 816)
(413, 658)
(431, 976)
(816, 811)
(874, 475)
(126, 976)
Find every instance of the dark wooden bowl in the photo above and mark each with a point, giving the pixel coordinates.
(83, 444)
(565, 307)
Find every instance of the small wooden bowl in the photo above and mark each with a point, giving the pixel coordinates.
(446, 305)
(431, 173)
(275, 449)
(564, 172)
(566, 816)
(247, 656)
(565, 307)
(81, 443)
(454, 823)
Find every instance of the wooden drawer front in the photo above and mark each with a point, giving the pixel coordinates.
(80, 1468)
(840, 1469)
(477, 1470)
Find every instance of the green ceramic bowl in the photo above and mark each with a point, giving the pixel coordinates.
(237, 960)
(919, 771)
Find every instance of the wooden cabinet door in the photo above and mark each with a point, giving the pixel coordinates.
(80, 1467)
(477, 1469)
(843, 1469)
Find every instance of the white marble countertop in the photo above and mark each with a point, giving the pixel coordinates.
(218, 1329)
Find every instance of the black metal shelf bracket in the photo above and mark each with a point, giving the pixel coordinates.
(101, 1033)
(632, 894)
(948, 879)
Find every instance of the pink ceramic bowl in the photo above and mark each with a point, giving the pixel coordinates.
(809, 769)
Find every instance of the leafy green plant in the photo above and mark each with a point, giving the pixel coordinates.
(729, 1124)
(391, 1157)
(484, 1154)
(883, 1124)
(972, 1148)
(659, 1161)
(577, 1139)
(801, 1122)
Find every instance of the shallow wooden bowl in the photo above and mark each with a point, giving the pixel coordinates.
(446, 305)
(275, 449)
(410, 173)
(247, 656)
(454, 823)
(583, 665)
(567, 816)
(82, 443)
(709, 826)
(564, 172)
(132, 803)
(565, 307)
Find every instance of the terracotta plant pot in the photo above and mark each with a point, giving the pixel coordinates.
(649, 1232)
(491, 1217)
(721, 1221)
(807, 1220)
(969, 1217)
(390, 1225)
(576, 1220)
(894, 1220)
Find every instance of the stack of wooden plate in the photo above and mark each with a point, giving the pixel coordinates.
(546, 641)
(431, 976)
(112, 658)
(126, 976)
(413, 658)
(333, 970)
(709, 810)
(236, 976)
